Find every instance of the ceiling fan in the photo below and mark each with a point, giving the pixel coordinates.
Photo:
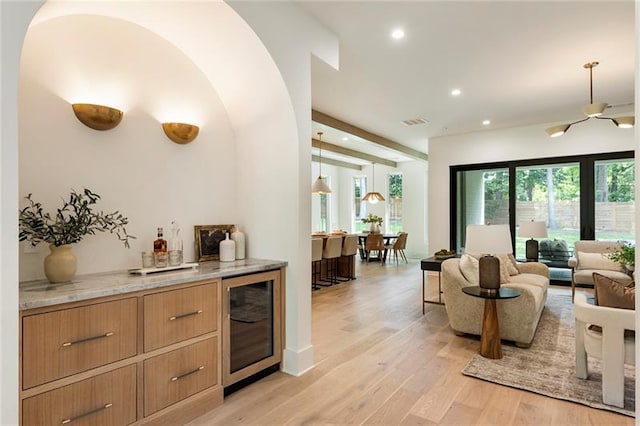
(592, 111)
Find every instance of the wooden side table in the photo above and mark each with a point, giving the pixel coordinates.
(490, 346)
(435, 265)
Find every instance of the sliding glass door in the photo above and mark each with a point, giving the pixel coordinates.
(614, 195)
(550, 194)
(579, 198)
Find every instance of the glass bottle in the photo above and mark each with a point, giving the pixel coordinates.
(175, 245)
(160, 250)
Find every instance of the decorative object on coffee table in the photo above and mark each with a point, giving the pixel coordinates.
(532, 229)
(487, 240)
(70, 224)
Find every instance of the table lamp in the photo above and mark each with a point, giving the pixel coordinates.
(532, 229)
(488, 240)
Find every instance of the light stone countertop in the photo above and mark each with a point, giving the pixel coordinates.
(35, 294)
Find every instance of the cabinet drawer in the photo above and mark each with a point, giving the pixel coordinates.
(171, 377)
(60, 343)
(107, 399)
(178, 315)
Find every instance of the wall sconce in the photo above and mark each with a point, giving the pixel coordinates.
(180, 133)
(97, 117)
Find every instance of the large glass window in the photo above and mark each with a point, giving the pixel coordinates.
(483, 198)
(550, 194)
(579, 198)
(614, 194)
(359, 206)
(394, 204)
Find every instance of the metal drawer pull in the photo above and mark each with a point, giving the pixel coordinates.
(88, 339)
(182, 376)
(88, 413)
(188, 314)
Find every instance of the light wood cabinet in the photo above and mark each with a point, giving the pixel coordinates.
(106, 399)
(147, 357)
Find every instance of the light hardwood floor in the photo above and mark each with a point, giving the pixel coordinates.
(380, 361)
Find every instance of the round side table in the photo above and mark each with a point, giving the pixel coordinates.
(490, 346)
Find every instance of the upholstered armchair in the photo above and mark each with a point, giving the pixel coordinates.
(610, 345)
(591, 256)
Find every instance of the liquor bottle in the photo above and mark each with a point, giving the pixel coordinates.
(160, 250)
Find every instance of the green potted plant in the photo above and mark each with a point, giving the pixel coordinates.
(625, 255)
(374, 221)
(70, 224)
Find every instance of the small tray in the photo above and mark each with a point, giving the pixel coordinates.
(146, 271)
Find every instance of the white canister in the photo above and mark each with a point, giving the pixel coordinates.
(238, 237)
(227, 250)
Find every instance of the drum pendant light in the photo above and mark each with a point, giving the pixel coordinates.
(320, 186)
(373, 197)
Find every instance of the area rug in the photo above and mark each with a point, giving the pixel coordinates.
(548, 366)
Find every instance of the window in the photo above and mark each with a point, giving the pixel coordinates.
(394, 206)
(579, 197)
(320, 209)
(359, 207)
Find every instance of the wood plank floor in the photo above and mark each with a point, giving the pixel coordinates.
(380, 361)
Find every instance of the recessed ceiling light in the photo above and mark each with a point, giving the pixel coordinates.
(397, 34)
(344, 139)
(456, 92)
(486, 122)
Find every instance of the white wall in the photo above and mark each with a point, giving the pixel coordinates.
(134, 167)
(520, 143)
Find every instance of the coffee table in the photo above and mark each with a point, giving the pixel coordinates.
(490, 346)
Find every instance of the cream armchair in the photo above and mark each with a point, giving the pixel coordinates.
(518, 318)
(611, 346)
(590, 256)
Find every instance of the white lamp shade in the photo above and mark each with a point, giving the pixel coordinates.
(488, 239)
(320, 187)
(558, 130)
(532, 229)
(624, 122)
(594, 110)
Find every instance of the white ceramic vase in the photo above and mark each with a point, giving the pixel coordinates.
(61, 264)
(238, 238)
(227, 250)
(375, 228)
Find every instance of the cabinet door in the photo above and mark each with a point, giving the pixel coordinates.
(107, 399)
(61, 343)
(177, 315)
(175, 375)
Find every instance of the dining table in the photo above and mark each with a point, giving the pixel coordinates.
(388, 239)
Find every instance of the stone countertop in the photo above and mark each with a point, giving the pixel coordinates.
(35, 294)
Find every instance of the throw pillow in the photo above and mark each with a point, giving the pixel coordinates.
(597, 261)
(509, 263)
(559, 250)
(469, 268)
(613, 294)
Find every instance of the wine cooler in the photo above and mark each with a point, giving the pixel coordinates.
(252, 335)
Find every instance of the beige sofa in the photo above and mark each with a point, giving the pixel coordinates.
(518, 318)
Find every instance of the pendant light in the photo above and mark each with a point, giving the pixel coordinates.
(592, 111)
(373, 197)
(320, 186)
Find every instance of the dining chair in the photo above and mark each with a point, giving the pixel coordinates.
(331, 253)
(316, 259)
(398, 246)
(349, 250)
(374, 242)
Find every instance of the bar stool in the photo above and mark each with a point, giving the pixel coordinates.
(349, 250)
(331, 253)
(316, 260)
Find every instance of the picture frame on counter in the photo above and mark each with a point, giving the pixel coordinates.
(208, 237)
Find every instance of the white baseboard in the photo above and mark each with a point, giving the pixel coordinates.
(299, 362)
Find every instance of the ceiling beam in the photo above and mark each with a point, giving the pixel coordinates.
(327, 120)
(336, 163)
(352, 153)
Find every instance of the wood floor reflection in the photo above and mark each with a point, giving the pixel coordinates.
(380, 361)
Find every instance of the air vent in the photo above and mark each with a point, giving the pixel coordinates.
(415, 122)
